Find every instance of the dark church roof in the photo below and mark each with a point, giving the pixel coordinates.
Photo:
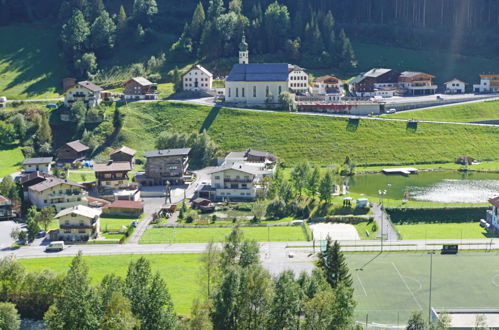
(259, 72)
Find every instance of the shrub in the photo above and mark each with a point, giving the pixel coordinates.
(444, 214)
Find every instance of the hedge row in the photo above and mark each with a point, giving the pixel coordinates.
(450, 214)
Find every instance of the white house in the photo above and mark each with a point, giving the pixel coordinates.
(84, 91)
(297, 79)
(455, 86)
(78, 223)
(197, 79)
(56, 192)
(42, 164)
(492, 216)
(489, 83)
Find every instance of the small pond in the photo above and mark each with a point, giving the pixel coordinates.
(437, 186)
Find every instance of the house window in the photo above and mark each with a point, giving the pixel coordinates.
(217, 177)
(237, 92)
(242, 92)
(254, 91)
(280, 89)
(229, 92)
(267, 91)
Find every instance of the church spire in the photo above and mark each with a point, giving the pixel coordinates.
(243, 51)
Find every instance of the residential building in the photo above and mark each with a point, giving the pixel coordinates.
(78, 223)
(123, 154)
(455, 86)
(124, 208)
(492, 216)
(42, 164)
(84, 91)
(72, 152)
(329, 86)
(366, 84)
(416, 83)
(56, 192)
(112, 175)
(262, 83)
(5, 208)
(31, 179)
(139, 88)
(197, 79)
(203, 204)
(162, 166)
(251, 156)
(489, 83)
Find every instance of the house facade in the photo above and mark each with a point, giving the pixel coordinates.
(368, 83)
(84, 91)
(492, 216)
(123, 154)
(42, 164)
(78, 223)
(124, 208)
(489, 83)
(165, 165)
(197, 79)
(139, 88)
(5, 208)
(297, 79)
(455, 86)
(112, 175)
(72, 152)
(56, 192)
(416, 83)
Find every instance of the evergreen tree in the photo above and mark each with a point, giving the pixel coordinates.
(74, 34)
(326, 187)
(416, 322)
(347, 53)
(284, 313)
(313, 181)
(197, 23)
(215, 9)
(117, 315)
(94, 9)
(86, 65)
(177, 80)
(103, 33)
(117, 119)
(9, 318)
(333, 264)
(226, 303)
(144, 11)
(343, 305)
(44, 132)
(122, 19)
(77, 307)
(277, 23)
(299, 176)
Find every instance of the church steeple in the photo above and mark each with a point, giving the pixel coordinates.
(243, 51)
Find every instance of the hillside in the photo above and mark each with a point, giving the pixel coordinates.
(458, 113)
(322, 140)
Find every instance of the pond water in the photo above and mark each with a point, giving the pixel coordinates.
(438, 186)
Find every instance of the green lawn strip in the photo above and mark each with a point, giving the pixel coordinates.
(479, 111)
(199, 235)
(11, 159)
(165, 90)
(114, 224)
(482, 166)
(180, 271)
(81, 176)
(442, 231)
(365, 230)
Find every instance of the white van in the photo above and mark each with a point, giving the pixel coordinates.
(55, 246)
(3, 99)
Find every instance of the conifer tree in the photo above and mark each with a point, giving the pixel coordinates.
(333, 263)
(326, 187)
(74, 34)
(286, 302)
(122, 18)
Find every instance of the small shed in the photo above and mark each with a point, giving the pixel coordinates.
(124, 208)
(203, 204)
(362, 203)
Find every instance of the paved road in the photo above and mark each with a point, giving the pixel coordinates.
(5, 230)
(382, 221)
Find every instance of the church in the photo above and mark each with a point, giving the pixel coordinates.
(262, 83)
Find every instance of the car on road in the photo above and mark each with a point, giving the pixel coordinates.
(134, 224)
(41, 234)
(55, 246)
(392, 110)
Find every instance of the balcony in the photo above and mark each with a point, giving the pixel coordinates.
(236, 180)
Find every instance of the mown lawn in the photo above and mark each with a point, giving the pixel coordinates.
(81, 176)
(183, 289)
(200, 235)
(30, 66)
(365, 230)
(11, 159)
(321, 140)
(470, 112)
(114, 224)
(442, 231)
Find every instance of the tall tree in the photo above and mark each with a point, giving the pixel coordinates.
(215, 9)
(299, 176)
(277, 23)
(7, 133)
(117, 315)
(103, 33)
(285, 310)
(122, 18)
(74, 34)
(45, 217)
(9, 318)
(326, 187)
(226, 303)
(333, 263)
(117, 119)
(43, 133)
(197, 23)
(144, 11)
(319, 311)
(313, 181)
(77, 307)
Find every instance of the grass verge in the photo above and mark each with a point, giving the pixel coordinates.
(442, 231)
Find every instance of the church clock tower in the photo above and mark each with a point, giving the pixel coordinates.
(243, 51)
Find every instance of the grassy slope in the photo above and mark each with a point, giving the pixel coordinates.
(442, 231)
(458, 113)
(166, 235)
(11, 158)
(321, 140)
(29, 63)
(183, 289)
(444, 66)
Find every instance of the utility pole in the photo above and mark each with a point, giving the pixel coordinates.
(381, 194)
(431, 277)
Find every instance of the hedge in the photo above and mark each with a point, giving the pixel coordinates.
(446, 214)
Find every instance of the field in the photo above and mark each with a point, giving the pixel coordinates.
(11, 159)
(470, 112)
(114, 224)
(442, 231)
(30, 66)
(81, 176)
(321, 140)
(183, 289)
(366, 227)
(394, 285)
(199, 235)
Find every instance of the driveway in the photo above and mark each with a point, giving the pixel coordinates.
(5, 229)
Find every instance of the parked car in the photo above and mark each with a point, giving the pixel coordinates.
(3, 99)
(55, 246)
(41, 234)
(392, 110)
(134, 224)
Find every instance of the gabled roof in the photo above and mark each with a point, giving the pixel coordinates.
(294, 67)
(90, 86)
(124, 204)
(168, 152)
(199, 67)
(125, 150)
(410, 74)
(259, 72)
(376, 72)
(82, 210)
(35, 175)
(325, 78)
(37, 160)
(237, 166)
(455, 79)
(494, 201)
(77, 146)
(141, 81)
(356, 80)
(112, 167)
(52, 182)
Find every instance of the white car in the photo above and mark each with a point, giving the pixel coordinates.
(55, 246)
(392, 110)
(3, 99)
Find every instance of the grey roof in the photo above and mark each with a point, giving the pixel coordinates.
(112, 167)
(168, 152)
(35, 175)
(125, 150)
(37, 160)
(356, 80)
(52, 182)
(259, 72)
(257, 153)
(142, 81)
(376, 72)
(90, 86)
(77, 146)
(236, 166)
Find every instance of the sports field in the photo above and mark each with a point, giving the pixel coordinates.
(393, 285)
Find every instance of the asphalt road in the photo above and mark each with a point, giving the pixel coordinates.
(5, 230)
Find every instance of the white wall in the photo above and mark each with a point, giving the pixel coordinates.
(93, 98)
(57, 197)
(204, 80)
(298, 80)
(37, 167)
(234, 91)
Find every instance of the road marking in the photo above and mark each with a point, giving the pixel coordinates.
(361, 284)
(407, 287)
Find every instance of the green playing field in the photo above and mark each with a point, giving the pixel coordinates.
(392, 286)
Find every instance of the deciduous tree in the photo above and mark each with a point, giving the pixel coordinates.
(9, 318)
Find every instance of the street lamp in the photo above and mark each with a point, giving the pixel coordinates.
(381, 193)
(431, 253)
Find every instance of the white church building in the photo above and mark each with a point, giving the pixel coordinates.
(262, 83)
